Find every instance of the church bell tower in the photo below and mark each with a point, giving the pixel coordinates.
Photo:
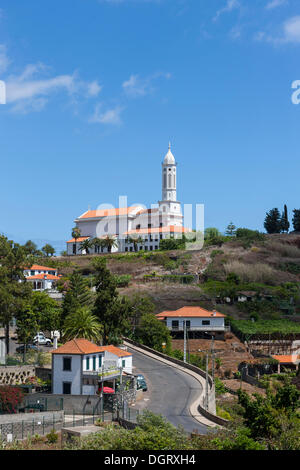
(169, 203)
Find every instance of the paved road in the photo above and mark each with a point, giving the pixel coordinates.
(170, 392)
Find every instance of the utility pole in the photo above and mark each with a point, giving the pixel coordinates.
(102, 392)
(184, 341)
(213, 357)
(206, 377)
(206, 383)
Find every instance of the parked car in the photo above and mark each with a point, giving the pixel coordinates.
(142, 385)
(41, 339)
(140, 377)
(29, 347)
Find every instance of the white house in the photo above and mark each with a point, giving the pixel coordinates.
(79, 367)
(196, 319)
(41, 277)
(149, 226)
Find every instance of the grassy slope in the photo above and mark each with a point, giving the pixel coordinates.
(273, 256)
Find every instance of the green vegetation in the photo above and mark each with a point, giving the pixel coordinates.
(82, 324)
(153, 333)
(272, 328)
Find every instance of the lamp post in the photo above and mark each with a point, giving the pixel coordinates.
(206, 378)
(184, 341)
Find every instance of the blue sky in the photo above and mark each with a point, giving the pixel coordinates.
(97, 88)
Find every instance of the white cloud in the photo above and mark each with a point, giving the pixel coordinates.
(110, 116)
(4, 60)
(275, 3)
(31, 89)
(93, 88)
(136, 86)
(230, 6)
(290, 33)
(20, 88)
(291, 29)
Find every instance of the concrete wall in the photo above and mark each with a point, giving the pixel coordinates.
(71, 403)
(17, 418)
(11, 375)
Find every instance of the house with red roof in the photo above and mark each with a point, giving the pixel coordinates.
(196, 320)
(41, 277)
(134, 228)
(80, 367)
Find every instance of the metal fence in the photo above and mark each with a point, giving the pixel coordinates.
(41, 425)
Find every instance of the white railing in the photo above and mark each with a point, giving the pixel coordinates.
(200, 328)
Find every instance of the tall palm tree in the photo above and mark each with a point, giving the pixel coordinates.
(76, 233)
(82, 324)
(109, 242)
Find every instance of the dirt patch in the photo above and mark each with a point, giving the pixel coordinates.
(231, 352)
(235, 384)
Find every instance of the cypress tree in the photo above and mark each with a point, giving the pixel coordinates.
(296, 220)
(285, 225)
(272, 222)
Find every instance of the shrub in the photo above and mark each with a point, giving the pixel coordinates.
(251, 235)
(10, 398)
(222, 413)
(216, 253)
(123, 280)
(284, 249)
(52, 437)
(259, 272)
(219, 386)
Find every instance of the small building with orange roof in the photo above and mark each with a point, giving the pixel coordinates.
(196, 319)
(41, 277)
(79, 367)
(288, 360)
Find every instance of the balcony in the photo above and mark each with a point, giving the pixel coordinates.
(200, 328)
(106, 374)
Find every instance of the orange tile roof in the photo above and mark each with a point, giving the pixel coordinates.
(78, 346)
(116, 351)
(167, 229)
(37, 267)
(83, 346)
(107, 212)
(190, 312)
(287, 359)
(80, 239)
(50, 277)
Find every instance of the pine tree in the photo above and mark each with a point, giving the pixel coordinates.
(78, 295)
(111, 310)
(230, 230)
(296, 220)
(285, 225)
(272, 222)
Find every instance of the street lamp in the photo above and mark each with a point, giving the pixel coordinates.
(206, 377)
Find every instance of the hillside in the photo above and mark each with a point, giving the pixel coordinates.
(262, 266)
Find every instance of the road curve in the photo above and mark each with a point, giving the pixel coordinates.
(170, 392)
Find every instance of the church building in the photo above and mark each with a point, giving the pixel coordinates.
(133, 228)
